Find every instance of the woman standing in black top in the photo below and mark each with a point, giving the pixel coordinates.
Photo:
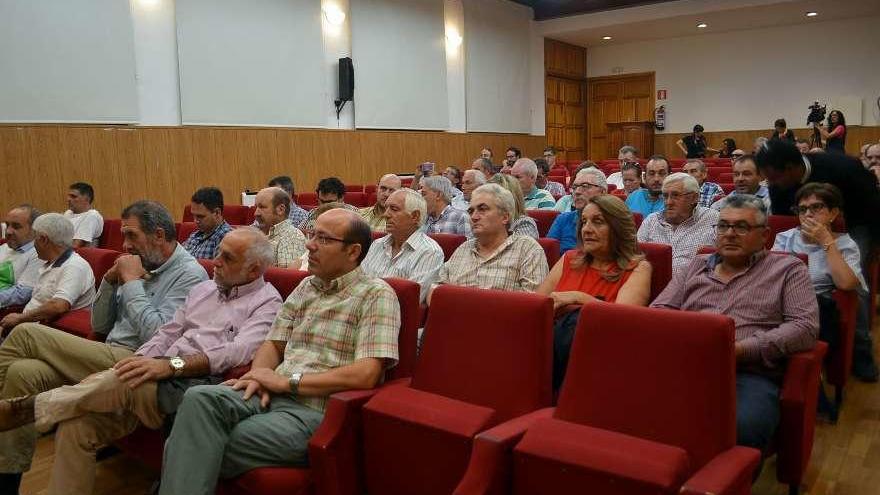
(694, 146)
(781, 131)
(835, 138)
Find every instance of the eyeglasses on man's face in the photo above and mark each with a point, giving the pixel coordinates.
(675, 196)
(812, 208)
(324, 239)
(739, 228)
(583, 186)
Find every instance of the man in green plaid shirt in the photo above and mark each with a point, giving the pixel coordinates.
(337, 331)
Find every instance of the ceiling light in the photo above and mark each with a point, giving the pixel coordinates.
(453, 38)
(702, 25)
(812, 14)
(606, 37)
(334, 15)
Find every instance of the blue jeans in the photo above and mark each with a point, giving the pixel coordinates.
(757, 410)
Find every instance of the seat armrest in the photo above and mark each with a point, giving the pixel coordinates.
(729, 473)
(489, 469)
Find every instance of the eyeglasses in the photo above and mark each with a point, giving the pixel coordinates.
(737, 155)
(548, 155)
(676, 195)
(813, 208)
(739, 228)
(324, 239)
(583, 185)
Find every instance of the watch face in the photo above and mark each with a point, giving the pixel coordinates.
(177, 362)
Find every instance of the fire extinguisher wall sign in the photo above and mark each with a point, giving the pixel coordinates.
(660, 117)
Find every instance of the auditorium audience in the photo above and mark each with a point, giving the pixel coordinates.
(206, 206)
(485, 166)
(138, 294)
(770, 299)
(406, 252)
(375, 215)
(565, 203)
(549, 155)
(520, 222)
(65, 281)
(19, 265)
(302, 263)
(588, 183)
(271, 214)
(872, 155)
(454, 175)
(193, 348)
(746, 180)
(486, 153)
(737, 153)
(266, 417)
(781, 131)
(495, 259)
(631, 176)
(684, 224)
(511, 155)
(694, 144)
(728, 146)
(556, 189)
(626, 154)
(471, 180)
(87, 221)
(329, 190)
(442, 217)
(297, 214)
(526, 172)
(650, 198)
(607, 266)
(786, 170)
(834, 132)
(708, 190)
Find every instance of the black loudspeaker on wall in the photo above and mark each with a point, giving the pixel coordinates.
(346, 84)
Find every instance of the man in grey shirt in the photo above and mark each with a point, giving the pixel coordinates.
(138, 295)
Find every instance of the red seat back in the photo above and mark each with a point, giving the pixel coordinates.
(448, 243)
(410, 321)
(690, 396)
(233, 214)
(499, 356)
(358, 199)
(637, 219)
(660, 257)
(111, 237)
(184, 229)
(99, 259)
(544, 219)
(353, 188)
(551, 249)
(208, 265)
(285, 279)
(781, 223)
(370, 188)
(309, 199)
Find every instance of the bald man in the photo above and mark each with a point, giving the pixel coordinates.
(375, 215)
(271, 212)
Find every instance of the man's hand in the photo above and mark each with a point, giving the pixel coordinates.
(9, 321)
(260, 381)
(130, 267)
(816, 232)
(112, 275)
(136, 370)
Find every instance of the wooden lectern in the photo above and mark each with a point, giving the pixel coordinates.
(639, 134)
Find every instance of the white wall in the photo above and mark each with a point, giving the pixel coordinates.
(746, 79)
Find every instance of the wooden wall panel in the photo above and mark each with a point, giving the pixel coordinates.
(565, 60)
(168, 164)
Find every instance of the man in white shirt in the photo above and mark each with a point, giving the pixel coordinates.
(88, 224)
(19, 265)
(406, 252)
(470, 180)
(66, 281)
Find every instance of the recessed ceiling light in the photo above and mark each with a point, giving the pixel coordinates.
(702, 25)
(606, 37)
(812, 14)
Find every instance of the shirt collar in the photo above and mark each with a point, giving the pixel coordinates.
(438, 217)
(241, 290)
(170, 261)
(501, 248)
(61, 259)
(808, 169)
(28, 246)
(337, 284)
(715, 258)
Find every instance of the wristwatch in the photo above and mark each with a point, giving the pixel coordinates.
(294, 382)
(177, 364)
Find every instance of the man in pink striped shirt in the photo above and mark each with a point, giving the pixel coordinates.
(771, 300)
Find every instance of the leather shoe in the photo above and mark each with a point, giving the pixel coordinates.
(16, 412)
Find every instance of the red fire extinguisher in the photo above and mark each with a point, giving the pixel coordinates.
(660, 117)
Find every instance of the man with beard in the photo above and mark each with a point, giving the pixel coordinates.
(650, 199)
(138, 294)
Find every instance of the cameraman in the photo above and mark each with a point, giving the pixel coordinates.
(835, 140)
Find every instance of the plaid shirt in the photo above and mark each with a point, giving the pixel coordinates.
(685, 238)
(204, 246)
(555, 188)
(375, 217)
(297, 214)
(419, 259)
(288, 243)
(450, 221)
(519, 264)
(708, 191)
(328, 325)
(539, 199)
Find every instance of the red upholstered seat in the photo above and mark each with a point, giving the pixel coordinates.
(371, 188)
(306, 198)
(285, 279)
(184, 229)
(544, 219)
(358, 199)
(660, 257)
(377, 234)
(663, 423)
(637, 219)
(727, 187)
(111, 236)
(353, 188)
(472, 373)
(79, 322)
(448, 243)
(839, 361)
(208, 265)
(233, 214)
(551, 250)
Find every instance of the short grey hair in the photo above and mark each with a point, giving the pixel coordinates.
(699, 163)
(479, 177)
(440, 184)
(747, 201)
(56, 227)
(413, 202)
(152, 216)
(260, 251)
(690, 184)
(529, 167)
(628, 149)
(31, 211)
(598, 177)
(503, 198)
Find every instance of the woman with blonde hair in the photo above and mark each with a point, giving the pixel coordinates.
(607, 265)
(520, 223)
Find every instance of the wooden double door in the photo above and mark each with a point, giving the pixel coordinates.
(566, 116)
(619, 101)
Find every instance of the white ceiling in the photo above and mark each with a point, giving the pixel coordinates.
(680, 18)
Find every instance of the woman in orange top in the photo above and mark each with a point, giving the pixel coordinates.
(606, 266)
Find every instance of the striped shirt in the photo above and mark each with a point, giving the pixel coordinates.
(555, 188)
(539, 199)
(772, 304)
(419, 260)
(450, 221)
(685, 238)
(524, 225)
(519, 264)
(287, 242)
(708, 191)
(203, 246)
(297, 214)
(328, 325)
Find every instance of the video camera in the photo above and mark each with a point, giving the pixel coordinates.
(817, 113)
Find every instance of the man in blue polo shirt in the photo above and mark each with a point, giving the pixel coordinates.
(650, 199)
(587, 183)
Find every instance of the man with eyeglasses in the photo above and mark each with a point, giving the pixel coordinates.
(588, 183)
(684, 224)
(771, 300)
(271, 211)
(746, 180)
(375, 215)
(510, 157)
(786, 169)
(649, 199)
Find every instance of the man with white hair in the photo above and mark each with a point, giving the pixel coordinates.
(588, 183)
(708, 190)
(406, 252)
(485, 166)
(684, 224)
(495, 259)
(626, 154)
(526, 172)
(471, 180)
(375, 215)
(194, 348)
(442, 217)
(65, 280)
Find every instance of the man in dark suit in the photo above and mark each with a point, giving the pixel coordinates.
(786, 169)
